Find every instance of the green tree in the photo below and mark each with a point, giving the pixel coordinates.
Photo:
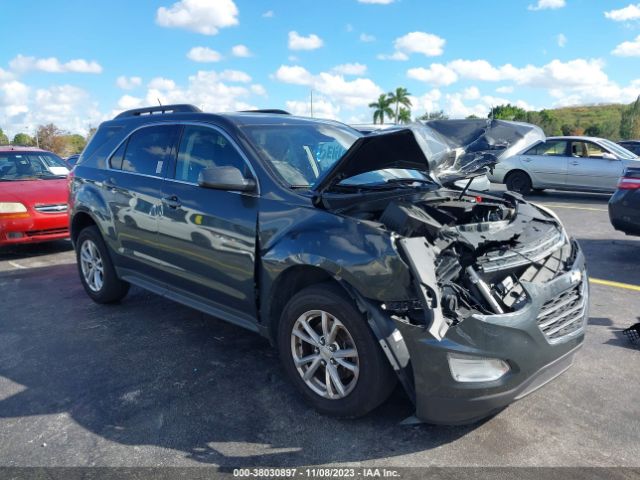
(400, 97)
(593, 130)
(3, 138)
(404, 116)
(508, 112)
(48, 137)
(381, 108)
(630, 121)
(23, 140)
(472, 117)
(437, 115)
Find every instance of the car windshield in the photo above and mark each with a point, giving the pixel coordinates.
(302, 153)
(619, 150)
(31, 166)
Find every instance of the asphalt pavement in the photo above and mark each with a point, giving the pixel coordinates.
(152, 383)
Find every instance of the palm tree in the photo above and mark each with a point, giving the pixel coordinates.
(404, 116)
(382, 108)
(400, 97)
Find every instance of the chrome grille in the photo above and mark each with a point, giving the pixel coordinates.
(52, 208)
(564, 314)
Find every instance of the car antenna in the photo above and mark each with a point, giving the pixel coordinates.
(159, 102)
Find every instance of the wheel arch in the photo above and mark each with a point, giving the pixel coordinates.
(79, 222)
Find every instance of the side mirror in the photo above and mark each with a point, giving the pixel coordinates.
(226, 178)
(609, 156)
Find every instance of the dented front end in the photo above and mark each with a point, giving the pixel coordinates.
(501, 299)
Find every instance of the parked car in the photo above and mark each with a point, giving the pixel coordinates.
(479, 183)
(341, 249)
(632, 145)
(33, 197)
(624, 205)
(566, 163)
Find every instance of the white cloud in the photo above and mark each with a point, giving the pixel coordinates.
(14, 97)
(437, 74)
(128, 83)
(377, 2)
(471, 93)
(235, 76)
(548, 5)
(322, 108)
(398, 56)
(562, 40)
(201, 16)
(427, 102)
(628, 49)
(203, 55)
(630, 12)
(299, 42)
(127, 102)
(366, 38)
(420, 42)
(350, 69)
(294, 74)
(240, 51)
(268, 14)
(348, 93)
(258, 89)
(22, 64)
(160, 83)
(504, 89)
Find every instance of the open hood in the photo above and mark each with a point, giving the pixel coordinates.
(448, 150)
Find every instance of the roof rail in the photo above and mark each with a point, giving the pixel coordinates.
(267, 110)
(180, 108)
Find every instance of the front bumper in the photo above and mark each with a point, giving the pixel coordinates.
(534, 357)
(33, 227)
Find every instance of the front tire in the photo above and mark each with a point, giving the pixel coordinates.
(519, 181)
(97, 273)
(330, 353)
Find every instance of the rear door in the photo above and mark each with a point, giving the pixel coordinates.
(207, 236)
(133, 190)
(547, 163)
(589, 170)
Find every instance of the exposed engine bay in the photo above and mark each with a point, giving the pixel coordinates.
(479, 250)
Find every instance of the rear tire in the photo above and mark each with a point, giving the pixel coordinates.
(519, 181)
(97, 273)
(337, 328)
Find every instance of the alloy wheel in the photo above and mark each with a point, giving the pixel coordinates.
(325, 354)
(91, 265)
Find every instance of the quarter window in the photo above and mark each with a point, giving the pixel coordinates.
(204, 147)
(148, 150)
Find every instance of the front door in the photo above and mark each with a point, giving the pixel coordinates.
(207, 236)
(589, 169)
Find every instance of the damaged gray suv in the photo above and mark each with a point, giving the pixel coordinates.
(354, 254)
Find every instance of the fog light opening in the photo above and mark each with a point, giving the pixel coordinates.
(467, 368)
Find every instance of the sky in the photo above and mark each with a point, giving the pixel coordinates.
(77, 63)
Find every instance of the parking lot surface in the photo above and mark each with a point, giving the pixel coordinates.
(151, 383)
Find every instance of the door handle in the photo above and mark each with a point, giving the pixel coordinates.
(172, 202)
(574, 162)
(526, 159)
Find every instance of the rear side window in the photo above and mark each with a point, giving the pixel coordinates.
(203, 147)
(552, 148)
(149, 150)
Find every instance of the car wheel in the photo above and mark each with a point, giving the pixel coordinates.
(519, 182)
(330, 354)
(97, 274)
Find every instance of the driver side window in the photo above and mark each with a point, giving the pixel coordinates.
(204, 147)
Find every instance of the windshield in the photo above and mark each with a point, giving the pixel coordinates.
(31, 166)
(619, 150)
(302, 153)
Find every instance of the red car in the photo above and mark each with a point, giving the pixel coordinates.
(33, 196)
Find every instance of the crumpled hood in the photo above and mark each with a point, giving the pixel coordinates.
(448, 150)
